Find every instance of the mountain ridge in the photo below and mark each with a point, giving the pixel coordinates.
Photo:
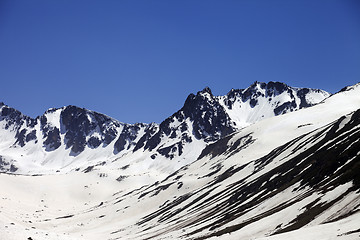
(203, 119)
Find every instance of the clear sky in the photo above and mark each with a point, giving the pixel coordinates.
(137, 60)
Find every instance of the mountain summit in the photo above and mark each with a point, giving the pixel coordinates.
(264, 100)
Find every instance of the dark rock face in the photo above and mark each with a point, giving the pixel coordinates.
(78, 123)
(31, 136)
(210, 121)
(53, 140)
(170, 151)
(76, 127)
(149, 132)
(93, 142)
(276, 87)
(20, 138)
(51, 135)
(14, 118)
(127, 137)
(11, 116)
(285, 107)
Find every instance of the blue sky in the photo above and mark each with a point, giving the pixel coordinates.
(137, 61)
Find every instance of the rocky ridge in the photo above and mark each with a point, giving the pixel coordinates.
(203, 119)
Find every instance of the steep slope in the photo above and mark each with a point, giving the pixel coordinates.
(73, 138)
(295, 170)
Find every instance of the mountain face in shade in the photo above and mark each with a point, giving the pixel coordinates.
(70, 131)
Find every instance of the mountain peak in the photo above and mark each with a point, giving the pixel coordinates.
(206, 90)
(279, 86)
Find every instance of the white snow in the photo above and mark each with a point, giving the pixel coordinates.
(340, 230)
(75, 205)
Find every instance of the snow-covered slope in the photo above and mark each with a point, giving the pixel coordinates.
(75, 139)
(284, 173)
(295, 173)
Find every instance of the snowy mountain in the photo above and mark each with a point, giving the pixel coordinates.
(289, 176)
(73, 138)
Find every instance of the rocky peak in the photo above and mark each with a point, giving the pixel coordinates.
(201, 118)
(278, 86)
(210, 120)
(205, 90)
(14, 118)
(261, 89)
(262, 100)
(87, 128)
(202, 101)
